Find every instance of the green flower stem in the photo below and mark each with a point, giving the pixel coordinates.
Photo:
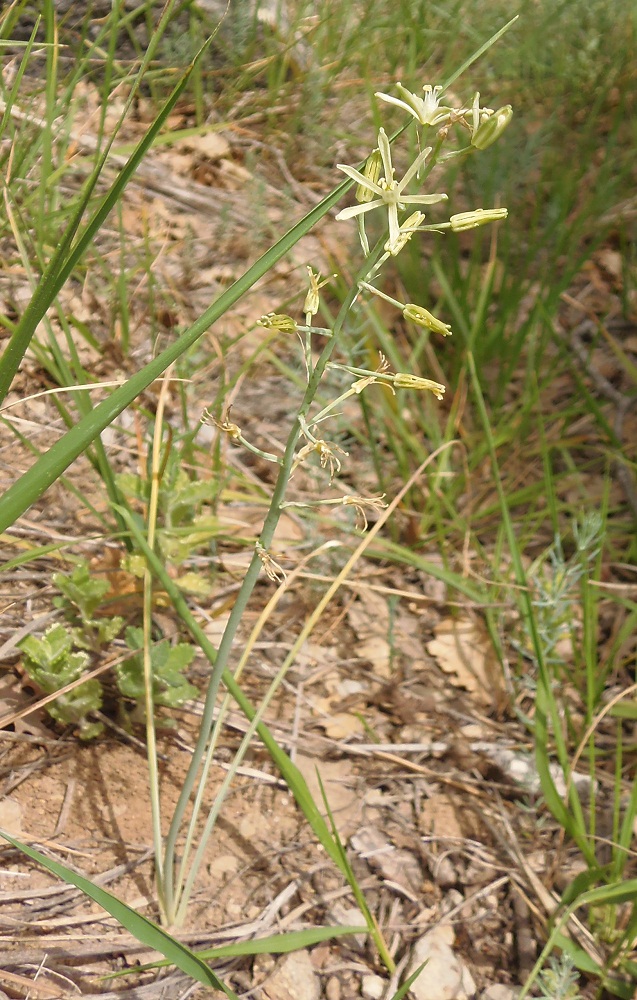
(267, 456)
(323, 331)
(381, 294)
(333, 405)
(292, 775)
(243, 597)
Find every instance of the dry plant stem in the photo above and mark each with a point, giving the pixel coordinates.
(172, 890)
(149, 701)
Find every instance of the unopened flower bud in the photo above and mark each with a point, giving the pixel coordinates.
(372, 171)
(278, 321)
(491, 129)
(479, 217)
(404, 380)
(422, 317)
(407, 229)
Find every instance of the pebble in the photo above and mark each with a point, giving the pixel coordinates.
(293, 979)
(333, 988)
(445, 976)
(500, 992)
(372, 987)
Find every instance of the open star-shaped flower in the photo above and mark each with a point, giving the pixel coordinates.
(425, 110)
(388, 191)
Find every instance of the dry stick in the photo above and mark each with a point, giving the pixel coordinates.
(592, 727)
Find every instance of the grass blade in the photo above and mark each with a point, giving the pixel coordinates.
(139, 926)
(47, 469)
(275, 944)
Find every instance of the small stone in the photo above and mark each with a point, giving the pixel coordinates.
(445, 976)
(293, 979)
(443, 872)
(372, 987)
(499, 992)
(333, 988)
(11, 816)
(349, 916)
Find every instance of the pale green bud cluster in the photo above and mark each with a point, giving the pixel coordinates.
(377, 187)
(490, 130)
(371, 172)
(405, 380)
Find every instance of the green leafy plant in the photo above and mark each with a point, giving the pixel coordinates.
(82, 595)
(184, 507)
(61, 656)
(53, 663)
(559, 981)
(442, 133)
(168, 662)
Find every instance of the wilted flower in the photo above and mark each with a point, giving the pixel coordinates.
(232, 430)
(273, 570)
(360, 503)
(327, 455)
(389, 192)
(311, 304)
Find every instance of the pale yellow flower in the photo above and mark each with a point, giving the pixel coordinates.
(425, 110)
(388, 191)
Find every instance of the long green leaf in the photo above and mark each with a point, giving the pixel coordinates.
(47, 469)
(403, 990)
(140, 927)
(275, 944)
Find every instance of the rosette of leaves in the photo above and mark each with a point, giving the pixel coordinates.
(51, 662)
(185, 523)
